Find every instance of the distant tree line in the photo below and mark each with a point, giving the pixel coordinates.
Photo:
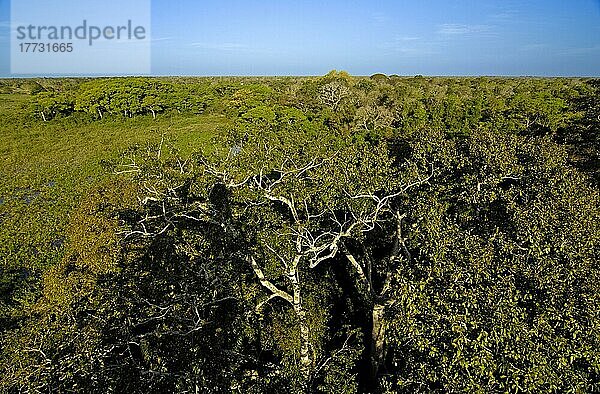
(126, 97)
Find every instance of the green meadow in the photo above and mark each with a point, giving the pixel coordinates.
(47, 166)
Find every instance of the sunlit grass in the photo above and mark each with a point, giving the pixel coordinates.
(45, 167)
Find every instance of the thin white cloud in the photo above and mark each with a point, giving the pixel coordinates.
(457, 29)
(11, 26)
(407, 46)
(533, 47)
(380, 18)
(505, 16)
(579, 51)
(416, 52)
(453, 29)
(407, 38)
(147, 40)
(226, 46)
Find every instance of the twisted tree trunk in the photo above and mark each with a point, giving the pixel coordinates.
(377, 345)
(306, 362)
(295, 299)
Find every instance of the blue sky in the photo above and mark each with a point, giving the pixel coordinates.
(529, 37)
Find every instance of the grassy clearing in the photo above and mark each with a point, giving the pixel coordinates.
(46, 166)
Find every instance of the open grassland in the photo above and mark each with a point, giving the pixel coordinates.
(45, 167)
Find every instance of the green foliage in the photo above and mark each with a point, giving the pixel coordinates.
(252, 96)
(338, 234)
(337, 76)
(498, 296)
(52, 104)
(129, 97)
(54, 342)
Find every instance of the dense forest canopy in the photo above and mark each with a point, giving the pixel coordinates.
(337, 234)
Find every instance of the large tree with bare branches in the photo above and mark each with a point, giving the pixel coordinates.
(293, 202)
(341, 235)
